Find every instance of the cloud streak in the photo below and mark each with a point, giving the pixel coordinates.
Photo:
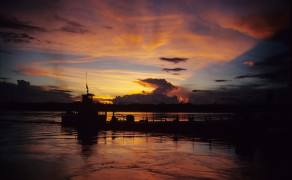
(10, 37)
(71, 26)
(250, 63)
(173, 69)
(31, 70)
(221, 80)
(11, 22)
(269, 75)
(174, 60)
(5, 52)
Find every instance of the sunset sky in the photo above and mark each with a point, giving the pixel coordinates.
(200, 51)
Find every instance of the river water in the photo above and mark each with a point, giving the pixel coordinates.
(35, 146)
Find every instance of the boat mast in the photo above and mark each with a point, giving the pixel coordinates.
(86, 84)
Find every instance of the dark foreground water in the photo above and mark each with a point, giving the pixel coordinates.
(33, 145)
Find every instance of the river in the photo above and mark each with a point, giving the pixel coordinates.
(35, 146)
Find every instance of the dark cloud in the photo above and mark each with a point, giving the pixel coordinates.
(19, 38)
(31, 6)
(283, 36)
(108, 27)
(24, 92)
(202, 97)
(174, 69)
(11, 37)
(14, 30)
(162, 86)
(12, 22)
(48, 42)
(71, 26)
(5, 52)
(174, 60)
(196, 90)
(16, 23)
(4, 78)
(212, 96)
(271, 75)
(221, 80)
(157, 96)
(279, 60)
(254, 93)
(73, 29)
(71, 23)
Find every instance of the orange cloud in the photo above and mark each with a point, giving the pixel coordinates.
(31, 69)
(38, 68)
(31, 72)
(69, 61)
(260, 25)
(249, 63)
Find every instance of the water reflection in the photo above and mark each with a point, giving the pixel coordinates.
(127, 155)
(167, 156)
(49, 151)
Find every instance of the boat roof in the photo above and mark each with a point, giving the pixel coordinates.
(88, 94)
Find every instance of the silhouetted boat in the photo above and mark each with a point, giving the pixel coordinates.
(86, 115)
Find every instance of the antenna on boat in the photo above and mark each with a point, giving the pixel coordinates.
(86, 84)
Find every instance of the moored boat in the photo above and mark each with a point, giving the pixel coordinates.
(86, 114)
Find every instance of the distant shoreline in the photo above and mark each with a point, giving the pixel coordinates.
(147, 107)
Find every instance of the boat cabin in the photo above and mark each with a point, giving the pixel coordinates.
(87, 98)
